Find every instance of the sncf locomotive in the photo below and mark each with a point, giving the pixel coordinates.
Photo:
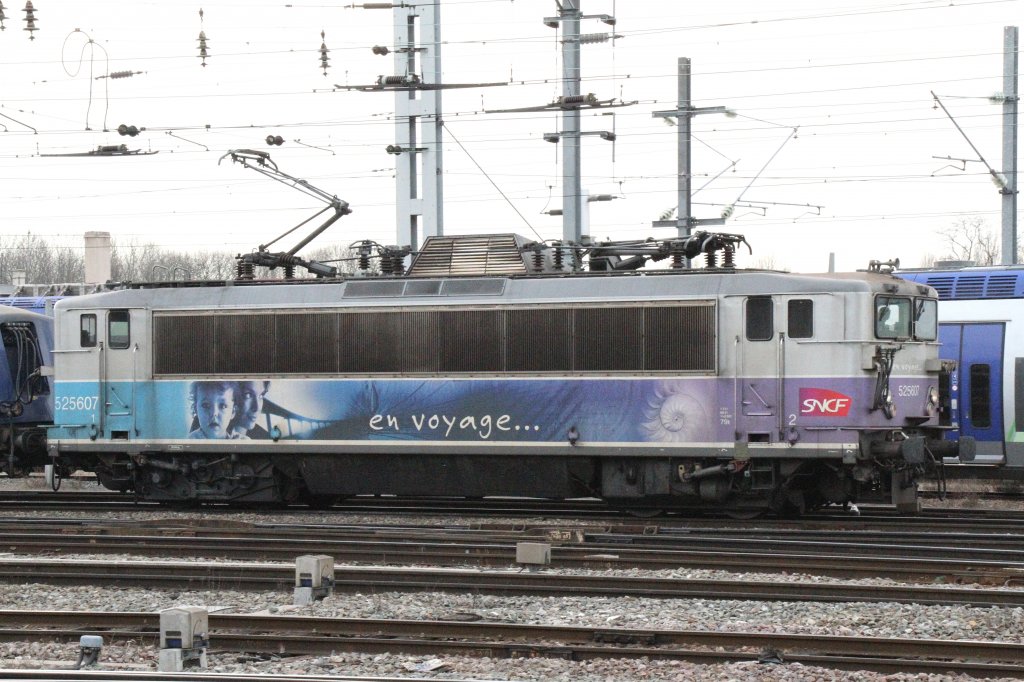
(494, 365)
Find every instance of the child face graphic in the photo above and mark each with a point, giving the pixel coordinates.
(215, 405)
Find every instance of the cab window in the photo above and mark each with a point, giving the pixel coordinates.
(926, 319)
(88, 331)
(760, 326)
(892, 317)
(801, 318)
(981, 406)
(118, 331)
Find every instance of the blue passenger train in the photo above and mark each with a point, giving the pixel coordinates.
(41, 305)
(981, 327)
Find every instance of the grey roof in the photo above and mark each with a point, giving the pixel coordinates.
(630, 286)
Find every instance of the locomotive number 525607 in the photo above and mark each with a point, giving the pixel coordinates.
(76, 403)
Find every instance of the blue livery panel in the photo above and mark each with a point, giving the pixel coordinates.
(657, 411)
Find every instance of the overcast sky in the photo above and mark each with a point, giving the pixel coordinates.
(854, 77)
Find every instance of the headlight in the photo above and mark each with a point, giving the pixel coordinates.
(933, 400)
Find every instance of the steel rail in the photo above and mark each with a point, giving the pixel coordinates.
(612, 533)
(371, 579)
(1004, 547)
(106, 674)
(293, 635)
(822, 559)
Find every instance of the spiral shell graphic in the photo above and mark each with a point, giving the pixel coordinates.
(672, 415)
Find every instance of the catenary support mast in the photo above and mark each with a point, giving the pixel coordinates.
(683, 114)
(1009, 190)
(418, 124)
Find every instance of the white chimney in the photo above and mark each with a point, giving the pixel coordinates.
(97, 257)
(19, 278)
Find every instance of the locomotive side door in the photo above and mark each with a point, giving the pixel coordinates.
(757, 372)
(119, 368)
(977, 384)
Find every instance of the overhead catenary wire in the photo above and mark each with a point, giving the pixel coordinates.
(634, 142)
(509, 201)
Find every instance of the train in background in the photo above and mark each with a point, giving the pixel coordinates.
(40, 305)
(981, 327)
(40, 298)
(26, 399)
(26, 396)
(496, 365)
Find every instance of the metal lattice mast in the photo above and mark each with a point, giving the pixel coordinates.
(419, 180)
(684, 113)
(1009, 190)
(572, 185)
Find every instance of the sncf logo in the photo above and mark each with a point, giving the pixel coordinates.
(821, 402)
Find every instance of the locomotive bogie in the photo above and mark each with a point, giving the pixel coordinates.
(727, 389)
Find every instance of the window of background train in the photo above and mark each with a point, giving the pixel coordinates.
(892, 317)
(926, 319)
(760, 326)
(88, 325)
(1018, 393)
(118, 329)
(800, 322)
(981, 408)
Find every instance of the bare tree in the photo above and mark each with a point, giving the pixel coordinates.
(208, 265)
(46, 263)
(41, 261)
(765, 263)
(133, 262)
(970, 238)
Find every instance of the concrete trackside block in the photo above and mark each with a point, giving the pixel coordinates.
(184, 638)
(533, 553)
(314, 578)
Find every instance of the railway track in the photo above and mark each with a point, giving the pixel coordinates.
(107, 674)
(294, 635)
(957, 556)
(977, 547)
(376, 579)
(995, 559)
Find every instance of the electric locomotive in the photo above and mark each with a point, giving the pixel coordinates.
(495, 365)
(26, 400)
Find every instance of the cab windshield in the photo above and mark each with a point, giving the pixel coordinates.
(926, 319)
(892, 317)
